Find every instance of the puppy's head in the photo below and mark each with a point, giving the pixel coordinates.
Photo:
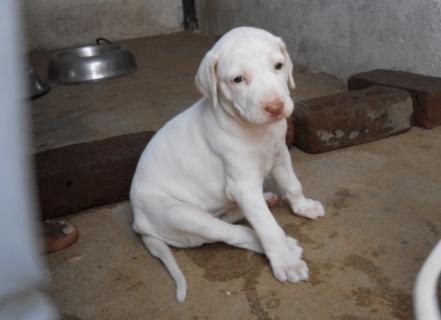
(249, 73)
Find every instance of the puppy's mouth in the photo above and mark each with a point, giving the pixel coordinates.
(262, 119)
(256, 118)
(277, 118)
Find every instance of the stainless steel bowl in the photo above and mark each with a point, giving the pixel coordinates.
(91, 63)
(36, 86)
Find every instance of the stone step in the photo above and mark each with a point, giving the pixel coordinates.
(424, 90)
(351, 118)
(85, 175)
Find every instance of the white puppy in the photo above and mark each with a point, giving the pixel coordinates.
(204, 170)
(425, 294)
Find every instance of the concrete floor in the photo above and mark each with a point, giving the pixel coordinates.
(382, 200)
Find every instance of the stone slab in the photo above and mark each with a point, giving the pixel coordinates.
(85, 175)
(424, 90)
(351, 118)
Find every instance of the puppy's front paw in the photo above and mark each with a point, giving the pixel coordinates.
(294, 248)
(290, 268)
(309, 208)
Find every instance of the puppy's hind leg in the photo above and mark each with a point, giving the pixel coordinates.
(203, 225)
(235, 215)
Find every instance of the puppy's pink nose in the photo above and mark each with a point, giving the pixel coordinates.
(274, 108)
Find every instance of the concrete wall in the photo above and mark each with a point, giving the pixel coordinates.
(53, 24)
(341, 37)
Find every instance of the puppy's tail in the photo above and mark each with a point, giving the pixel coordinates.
(160, 250)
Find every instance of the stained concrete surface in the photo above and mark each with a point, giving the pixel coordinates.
(382, 200)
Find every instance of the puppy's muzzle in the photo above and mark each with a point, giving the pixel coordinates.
(274, 108)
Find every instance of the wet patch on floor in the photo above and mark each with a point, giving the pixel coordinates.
(424, 147)
(295, 230)
(375, 253)
(342, 198)
(363, 296)
(135, 286)
(383, 292)
(317, 272)
(314, 273)
(432, 227)
(334, 235)
(223, 263)
(271, 300)
(347, 317)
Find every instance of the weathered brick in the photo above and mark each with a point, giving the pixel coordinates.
(85, 175)
(351, 118)
(424, 90)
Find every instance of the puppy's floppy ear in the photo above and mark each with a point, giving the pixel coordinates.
(206, 79)
(289, 65)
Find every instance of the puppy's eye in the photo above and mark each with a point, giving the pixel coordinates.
(238, 79)
(278, 66)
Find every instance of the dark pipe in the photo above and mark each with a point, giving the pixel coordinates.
(190, 20)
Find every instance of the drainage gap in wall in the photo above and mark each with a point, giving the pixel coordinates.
(190, 20)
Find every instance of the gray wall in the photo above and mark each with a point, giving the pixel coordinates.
(53, 24)
(341, 37)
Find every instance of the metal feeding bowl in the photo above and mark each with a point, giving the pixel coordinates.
(91, 63)
(36, 86)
